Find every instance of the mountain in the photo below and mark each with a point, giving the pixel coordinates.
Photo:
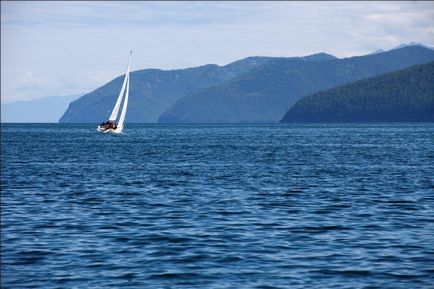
(377, 51)
(153, 91)
(405, 95)
(402, 45)
(319, 57)
(40, 110)
(266, 93)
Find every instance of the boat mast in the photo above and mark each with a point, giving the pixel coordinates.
(124, 108)
(115, 111)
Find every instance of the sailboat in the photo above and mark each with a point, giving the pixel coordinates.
(110, 125)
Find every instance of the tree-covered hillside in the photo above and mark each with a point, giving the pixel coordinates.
(405, 95)
(152, 91)
(265, 94)
(254, 89)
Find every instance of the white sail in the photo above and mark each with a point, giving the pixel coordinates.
(111, 125)
(124, 108)
(115, 111)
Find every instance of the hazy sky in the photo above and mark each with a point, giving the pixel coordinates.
(60, 48)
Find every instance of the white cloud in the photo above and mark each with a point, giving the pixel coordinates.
(71, 47)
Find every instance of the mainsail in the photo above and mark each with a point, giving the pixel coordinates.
(124, 108)
(125, 88)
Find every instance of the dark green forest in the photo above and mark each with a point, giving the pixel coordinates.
(404, 95)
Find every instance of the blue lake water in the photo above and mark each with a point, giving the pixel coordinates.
(218, 206)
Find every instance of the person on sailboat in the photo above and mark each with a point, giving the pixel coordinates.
(108, 125)
(113, 125)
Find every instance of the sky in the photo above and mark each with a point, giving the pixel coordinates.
(70, 47)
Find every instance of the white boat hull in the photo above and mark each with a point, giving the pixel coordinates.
(110, 130)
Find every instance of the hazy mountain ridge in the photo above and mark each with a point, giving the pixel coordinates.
(405, 95)
(40, 110)
(152, 91)
(319, 57)
(402, 45)
(265, 94)
(253, 89)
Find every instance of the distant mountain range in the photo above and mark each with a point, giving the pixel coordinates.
(377, 51)
(254, 89)
(266, 93)
(405, 95)
(402, 46)
(153, 91)
(40, 110)
(411, 44)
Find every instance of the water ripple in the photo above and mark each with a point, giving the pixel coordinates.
(218, 206)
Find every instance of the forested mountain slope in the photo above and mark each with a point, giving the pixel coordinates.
(405, 95)
(266, 93)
